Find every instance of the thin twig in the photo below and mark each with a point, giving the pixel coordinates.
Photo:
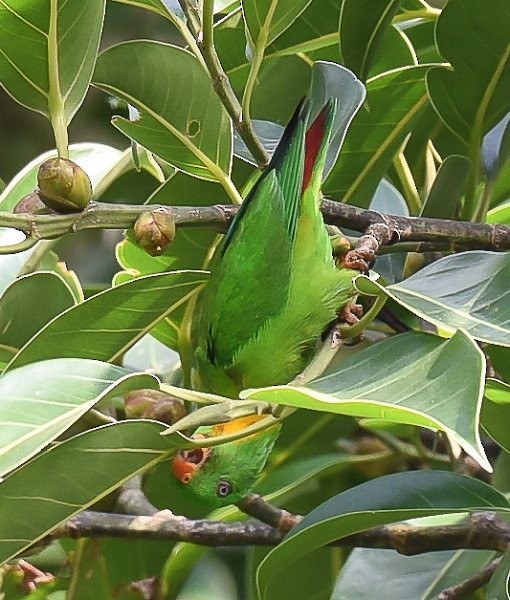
(471, 584)
(255, 506)
(223, 88)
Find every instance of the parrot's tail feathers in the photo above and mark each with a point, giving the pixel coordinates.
(281, 150)
(315, 138)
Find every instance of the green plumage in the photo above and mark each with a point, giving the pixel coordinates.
(274, 288)
(232, 469)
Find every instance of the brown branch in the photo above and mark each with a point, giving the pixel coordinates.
(394, 228)
(482, 531)
(255, 506)
(381, 229)
(471, 584)
(132, 501)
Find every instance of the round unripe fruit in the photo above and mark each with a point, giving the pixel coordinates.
(154, 231)
(31, 204)
(63, 185)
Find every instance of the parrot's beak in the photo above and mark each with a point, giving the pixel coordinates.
(187, 462)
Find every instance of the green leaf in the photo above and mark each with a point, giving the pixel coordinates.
(473, 95)
(499, 585)
(267, 19)
(395, 99)
(189, 249)
(21, 317)
(89, 576)
(194, 135)
(384, 500)
(448, 188)
(496, 147)
(42, 400)
(496, 412)
(398, 52)
(399, 577)
(286, 481)
(314, 29)
(47, 53)
(412, 378)
(157, 6)
(362, 26)
(49, 490)
(500, 214)
(105, 326)
(468, 290)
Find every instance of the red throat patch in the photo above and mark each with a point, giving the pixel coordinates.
(313, 140)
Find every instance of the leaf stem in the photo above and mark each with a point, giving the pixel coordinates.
(223, 88)
(56, 107)
(409, 185)
(471, 210)
(428, 13)
(351, 331)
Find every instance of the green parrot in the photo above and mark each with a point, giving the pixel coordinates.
(274, 287)
(225, 474)
(273, 290)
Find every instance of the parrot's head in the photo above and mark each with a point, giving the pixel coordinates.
(225, 474)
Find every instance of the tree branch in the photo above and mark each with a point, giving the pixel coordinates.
(383, 230)
(481, 531)
(471, 584)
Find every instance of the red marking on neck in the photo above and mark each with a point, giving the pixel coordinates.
(313, 139)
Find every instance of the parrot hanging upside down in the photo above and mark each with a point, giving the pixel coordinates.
(224, 474)
(275, 286)
(273, 290)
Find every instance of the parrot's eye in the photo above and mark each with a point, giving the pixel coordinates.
(223, 488)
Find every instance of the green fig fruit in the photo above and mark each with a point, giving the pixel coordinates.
(63, 185)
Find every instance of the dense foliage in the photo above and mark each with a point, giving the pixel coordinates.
(408, 422)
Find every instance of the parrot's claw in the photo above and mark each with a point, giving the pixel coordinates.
(360, 260)
(351, 313)
(32, 576)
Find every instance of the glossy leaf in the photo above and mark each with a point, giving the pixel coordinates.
(499, 585)
(496, 147)
(164, 8)
(468, 290)
(267, 19)
(287, 480)
(384, 500)
(28, 304)
(269, 134)
(499, 214)
(105, 326)
(194, 136)
(42, 400)
(496, 412)
(473, 95)
(314, 29)
(448, 188)
(49, 490)
(188, 251)
(362, 26)
(51, 69)
(395, 99)
(399, 577)
(411, 378)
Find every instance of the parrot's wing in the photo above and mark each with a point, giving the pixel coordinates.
(254, 266)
